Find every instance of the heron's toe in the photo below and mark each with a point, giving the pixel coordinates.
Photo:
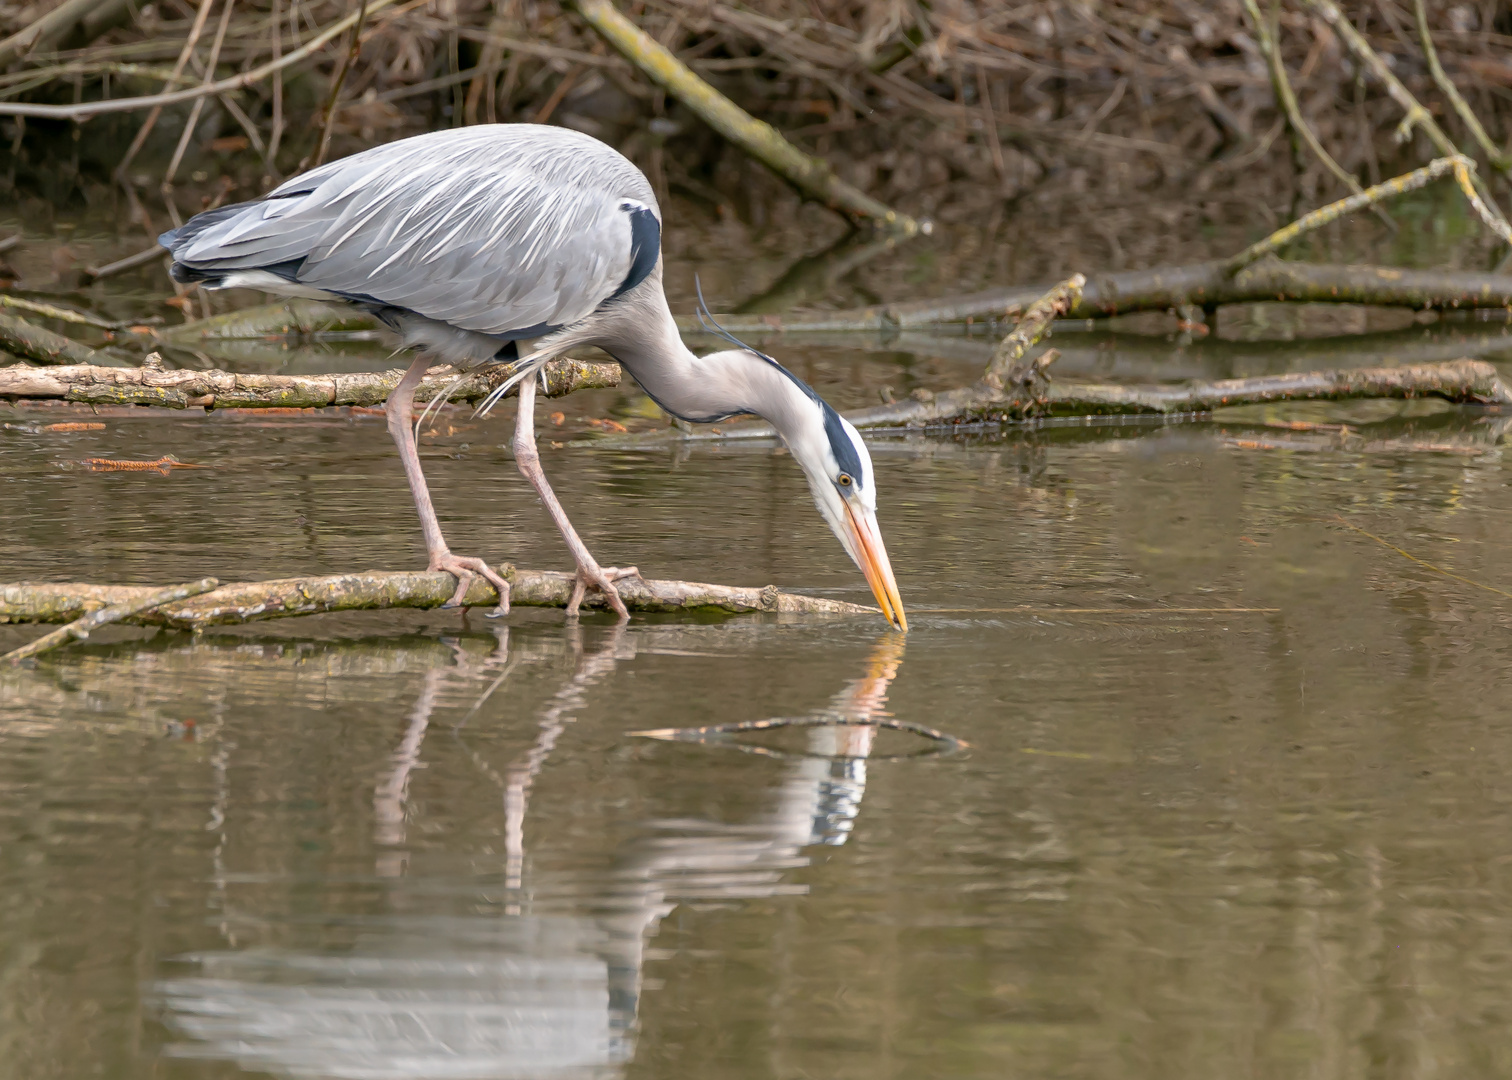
(465, 569)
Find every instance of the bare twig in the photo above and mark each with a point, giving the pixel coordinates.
(157, 110)
(50, 311)
(1417, 116)
(56, 21)
(1270, 46)
(80, 628)
(1450, 91)
(333, 101)
(130, 262)
(166, 187)
(1488, 212)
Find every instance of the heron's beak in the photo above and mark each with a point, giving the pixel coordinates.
(872, 558)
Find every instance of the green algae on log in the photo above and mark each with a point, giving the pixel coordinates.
(255, 600)
(151, 385)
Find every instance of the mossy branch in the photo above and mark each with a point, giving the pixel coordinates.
(152, 385)
(27, 602)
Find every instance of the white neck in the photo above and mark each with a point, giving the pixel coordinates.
(704, 388)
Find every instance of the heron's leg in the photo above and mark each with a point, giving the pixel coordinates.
(400, 411)
(589, 572)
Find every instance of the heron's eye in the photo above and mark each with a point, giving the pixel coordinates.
(844, 480)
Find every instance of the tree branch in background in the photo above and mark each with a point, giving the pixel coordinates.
(375, 589)
(333, 101)
(1417, 116)
(1446, 85)
(755, 137)
(87, 110)
(55, 24)
(1286, 98)
(137, 143)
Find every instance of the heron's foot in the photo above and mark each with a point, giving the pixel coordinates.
(593, 576)
(465, 568)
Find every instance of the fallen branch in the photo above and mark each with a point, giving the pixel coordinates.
(80, 629)
(755, 137)
(43, 346)
(256, 600)
(1163, 288)
(81, 318)
(1465, 382)
(151, 385)
(1006, 368)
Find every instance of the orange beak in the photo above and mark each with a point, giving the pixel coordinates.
(875, 566)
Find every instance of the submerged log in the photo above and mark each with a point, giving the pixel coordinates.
(28, 602)
(42, 346)
(182, 389)
(294, 316)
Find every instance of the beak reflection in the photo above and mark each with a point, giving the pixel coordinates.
(874, 564)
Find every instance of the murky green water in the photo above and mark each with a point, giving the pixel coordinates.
(1235, 801)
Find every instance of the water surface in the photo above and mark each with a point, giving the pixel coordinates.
(1234, 801)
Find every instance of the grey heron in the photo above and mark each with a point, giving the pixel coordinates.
(473, 242)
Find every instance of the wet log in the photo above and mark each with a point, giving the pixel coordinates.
(81, 628)
(42, 346)
(152, 385)
(29, 602)
(1464, 382)
(1205, 284)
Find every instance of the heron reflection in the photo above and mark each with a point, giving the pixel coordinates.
(538, 991)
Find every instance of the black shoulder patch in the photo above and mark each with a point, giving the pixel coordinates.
(645, 245)
(840, 443)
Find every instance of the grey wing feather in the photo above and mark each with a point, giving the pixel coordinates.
(491, 228)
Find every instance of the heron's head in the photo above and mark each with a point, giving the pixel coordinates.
(839, 472)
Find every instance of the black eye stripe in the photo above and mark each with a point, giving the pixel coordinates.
(840, 444)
